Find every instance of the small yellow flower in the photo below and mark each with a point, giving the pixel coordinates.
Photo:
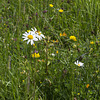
(23, 81)
(35, 55)
(78, 93)
(51, 5)
(40, 82)
(57, 52)
(34, 45)
(64, 34)
(38, 55)
(87, 85)
(28, 30)
(60, 10)
(91, 42)
(61, 34)
(73, 38)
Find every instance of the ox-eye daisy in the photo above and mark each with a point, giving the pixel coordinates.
(79, 63)
(38, 34)
(30, 36)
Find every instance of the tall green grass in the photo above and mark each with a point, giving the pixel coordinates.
(50, 77)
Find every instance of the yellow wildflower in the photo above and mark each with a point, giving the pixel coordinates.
(87, 85)
(51, 5)
(64, 34)
(56, 51)
(91, 42)
(23, 81)
(28, 30)
(60, 10)
(78, 93)
(35, 55)
(34, 45)
(73, 38)
(61, 34)
(40, 82)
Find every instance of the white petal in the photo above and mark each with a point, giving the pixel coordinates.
(28, 41)
(32, 33)
(31, 42)
(25, 39)
(35, 39)
(32, 29)
(35, 29)
(25, 34)
(75, 63)
(42, 35)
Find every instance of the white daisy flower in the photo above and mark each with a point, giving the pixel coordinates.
(30, 36)
(53, 54)
(79, 63)
(39, 35)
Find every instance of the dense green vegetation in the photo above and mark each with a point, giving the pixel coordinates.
(72, 33)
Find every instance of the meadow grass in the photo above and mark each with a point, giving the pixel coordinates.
(54, 75)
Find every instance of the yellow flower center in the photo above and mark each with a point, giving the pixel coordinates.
(39, 33)
(78, 64)
(30, 36)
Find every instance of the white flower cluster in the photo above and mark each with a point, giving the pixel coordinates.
(32, 36)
